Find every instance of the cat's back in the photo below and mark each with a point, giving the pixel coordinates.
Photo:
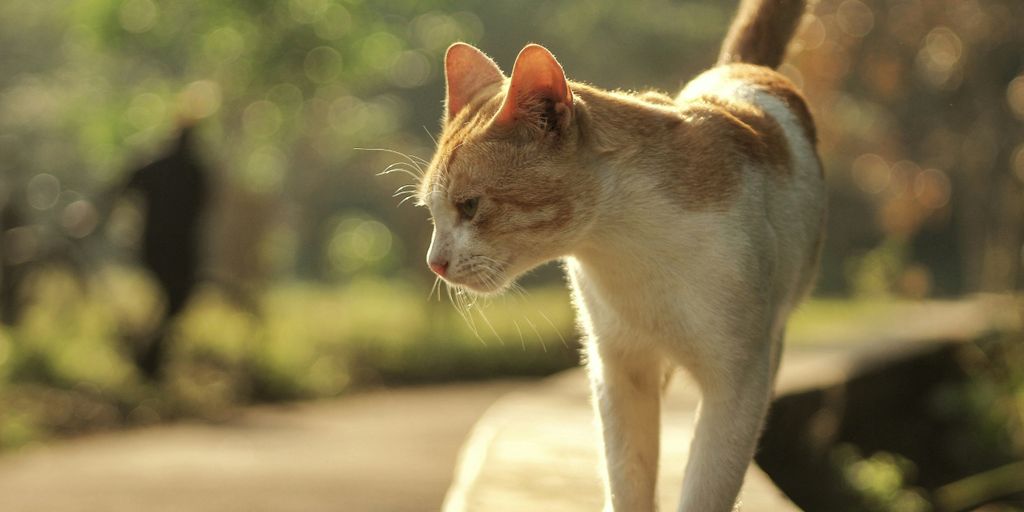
(768, 118)
(744, 83)
(750, 142)
(748, 128)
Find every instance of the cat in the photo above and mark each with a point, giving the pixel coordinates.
(689, 227)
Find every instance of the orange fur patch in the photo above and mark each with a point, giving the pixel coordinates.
(779, 86)
(755, 133)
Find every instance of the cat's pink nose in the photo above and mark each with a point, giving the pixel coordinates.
(439, 267)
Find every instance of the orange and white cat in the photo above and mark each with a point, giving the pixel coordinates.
(690, 228)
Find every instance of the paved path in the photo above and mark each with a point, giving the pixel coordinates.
(384, 451)
(387, 451)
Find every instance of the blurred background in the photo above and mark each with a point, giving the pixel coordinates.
(193, 215)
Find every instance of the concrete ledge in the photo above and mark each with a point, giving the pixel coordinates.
(537, 449)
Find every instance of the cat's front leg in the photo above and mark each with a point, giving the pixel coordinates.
(627, 396)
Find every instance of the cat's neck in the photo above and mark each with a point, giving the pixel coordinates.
(627, 141)
(618, 125)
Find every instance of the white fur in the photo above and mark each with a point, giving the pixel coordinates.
(658, 287)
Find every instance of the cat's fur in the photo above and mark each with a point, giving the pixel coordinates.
(690, 228)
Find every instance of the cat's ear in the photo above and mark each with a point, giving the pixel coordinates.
(467, 71)
(538, 88)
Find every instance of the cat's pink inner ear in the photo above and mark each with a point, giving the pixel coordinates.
(536, 75)
(467, 71)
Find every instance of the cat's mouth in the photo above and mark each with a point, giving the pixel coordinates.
(486, 279)
(483, 287)
(480, 283)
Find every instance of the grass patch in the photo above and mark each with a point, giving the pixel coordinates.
(65, 368)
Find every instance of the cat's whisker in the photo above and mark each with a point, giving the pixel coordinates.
(489, 281)
(448, 289)
(457, 304)
(491, 326)
(517, 291)
(419, 159)
(522, 340)
(430, 135)
(540, 338)
(406, 198)
(552, 324)
(408, 157)
(430, 295)
(398, 166)
(467, 309)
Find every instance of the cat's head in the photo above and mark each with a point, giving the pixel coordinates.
(505, 188)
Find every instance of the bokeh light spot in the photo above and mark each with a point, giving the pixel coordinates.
(79, 218)
(901, 177)
(145, 111)
(20, 245)
(287, 95)
(1017, 162)
(356, 242)
(944, 47)
(307, 11)
(138, 16)
(380, 49)
(265, 169)
(199, 100)
(348, 115)
(471, 27)
(435, 30)
(812, 33)
(939, 58)
(410, 69)
(932, 188)
(261, 119)
(333, 24)
(223, 45)
(855, 18)
(871, 173)
(1015, 96)
(43, 191)
(323, 65)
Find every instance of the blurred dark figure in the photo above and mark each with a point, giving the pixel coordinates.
(174, 191)
(11, 267)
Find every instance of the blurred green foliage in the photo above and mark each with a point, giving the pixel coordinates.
(307, 341)
(287, 91)
(918, 106)
(987, 441)
(882, 480)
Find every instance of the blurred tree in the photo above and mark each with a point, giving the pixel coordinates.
(911, 98)
(919, 104)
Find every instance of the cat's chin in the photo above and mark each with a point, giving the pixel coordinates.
(485, 287)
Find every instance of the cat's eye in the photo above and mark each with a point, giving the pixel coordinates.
(467, 208)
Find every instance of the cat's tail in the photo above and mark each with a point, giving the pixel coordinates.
(761, 31)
